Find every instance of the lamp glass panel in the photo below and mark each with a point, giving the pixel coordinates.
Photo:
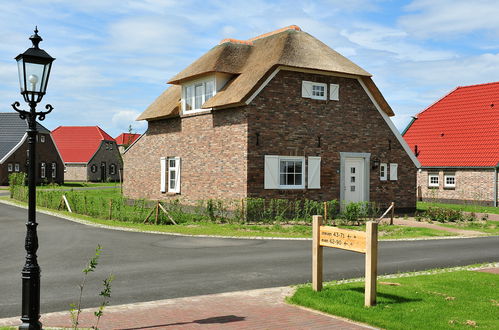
(20, 70)
(34, 76)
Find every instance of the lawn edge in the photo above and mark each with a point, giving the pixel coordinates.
(8, 201)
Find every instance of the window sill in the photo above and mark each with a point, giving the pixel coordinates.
(449, 188)
(194, 113)
(436, 188)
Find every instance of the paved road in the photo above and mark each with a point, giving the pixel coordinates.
(150, 267)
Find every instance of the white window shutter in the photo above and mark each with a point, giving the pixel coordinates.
(334, 92)
(393, 171)
(177, 175)
(314, 172)
(271, 176)
(163, 174)
(306, 89)
(383, 169)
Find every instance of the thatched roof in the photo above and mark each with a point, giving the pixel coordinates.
(251, 61)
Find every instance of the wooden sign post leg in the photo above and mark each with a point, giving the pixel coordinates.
(316, 254)
(371, 263)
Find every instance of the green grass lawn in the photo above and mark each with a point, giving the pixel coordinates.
(489, 226)
(423, 206)
(460, 299)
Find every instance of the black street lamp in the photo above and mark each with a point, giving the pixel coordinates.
(34, 70)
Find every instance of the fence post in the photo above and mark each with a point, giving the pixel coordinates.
(393, 213)
(325, 212)
(110, 209)
(371, 263)
(316, 253)
(157, 213)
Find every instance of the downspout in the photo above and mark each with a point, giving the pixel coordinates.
(495, 185)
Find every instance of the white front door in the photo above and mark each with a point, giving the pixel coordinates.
(354, 181)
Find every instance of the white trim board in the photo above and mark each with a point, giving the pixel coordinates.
(387, 119)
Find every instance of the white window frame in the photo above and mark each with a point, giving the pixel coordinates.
(42, 138)
(203, 95)
(292, 158)
(308, 90)
(43, 170)
(10, 168)
(112, 169)
(16, 167)
(176, 170)
(446, 185)
(54, 170)
(383, 171)
(433, 185)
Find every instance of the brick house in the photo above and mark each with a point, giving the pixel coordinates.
(14, 151)
(456, 141)
(89, 153)
(124, 140)
(281, 115)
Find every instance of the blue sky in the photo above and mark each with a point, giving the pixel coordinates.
(113, 57)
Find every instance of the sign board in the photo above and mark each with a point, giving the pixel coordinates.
(347, 239)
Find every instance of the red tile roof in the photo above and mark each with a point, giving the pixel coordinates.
(126, 138)
(459, 130)
(77, 144)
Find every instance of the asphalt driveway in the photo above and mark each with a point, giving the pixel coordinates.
(152, 266)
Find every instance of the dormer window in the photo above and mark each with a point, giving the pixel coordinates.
(197, 93)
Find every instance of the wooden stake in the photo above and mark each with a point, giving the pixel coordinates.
(325, 212)
(110, 209)
(316, 253)
(67, 203)
(157, 213)
(149, 215)
(371, 263)
(393, 212)
(167, 214)
(243, 214)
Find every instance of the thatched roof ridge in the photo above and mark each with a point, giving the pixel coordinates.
(251, 62)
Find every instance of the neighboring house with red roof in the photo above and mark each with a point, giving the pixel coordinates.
(89, 153)
(456, 139)
(281, 115)
(124, 140)
(14, 148)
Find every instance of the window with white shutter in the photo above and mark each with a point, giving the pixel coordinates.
(314, 172)
(313, 90)
(383, 172)
(393, 171)
(163, 174)
(334, 92)
(174, 174)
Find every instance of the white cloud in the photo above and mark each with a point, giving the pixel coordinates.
(450, 18)
(124, 118)
(393, 42)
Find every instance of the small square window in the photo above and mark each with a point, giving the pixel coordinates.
(291, 172)
(10, 167)
(433, 180)
(449, 181)
(42, 138)
(16, 167)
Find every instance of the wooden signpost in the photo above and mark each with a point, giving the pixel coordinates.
(346, 239)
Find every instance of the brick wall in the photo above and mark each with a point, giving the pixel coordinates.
(75, 172)
(45, 152)
(212, 148)
(472, 186)
(289, 125)
(220, 158)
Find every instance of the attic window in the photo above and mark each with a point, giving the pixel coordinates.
(313, 90)
(197, 93)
